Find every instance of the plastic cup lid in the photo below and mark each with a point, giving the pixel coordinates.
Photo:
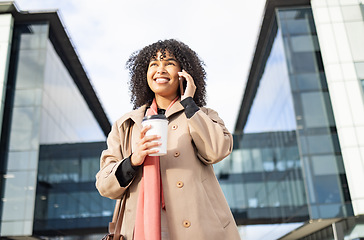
(159, 116)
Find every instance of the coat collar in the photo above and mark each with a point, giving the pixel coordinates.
(136, 116)
(176, 107)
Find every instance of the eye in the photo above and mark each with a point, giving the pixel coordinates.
(152, 64)
(171, 63)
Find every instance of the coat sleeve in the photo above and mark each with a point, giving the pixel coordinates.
(210, 136)
(106, 181)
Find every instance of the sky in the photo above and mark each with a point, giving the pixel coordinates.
(105, 33)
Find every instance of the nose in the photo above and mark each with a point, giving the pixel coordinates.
(161, 69)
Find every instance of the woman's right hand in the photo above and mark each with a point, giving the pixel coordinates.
(144, 146)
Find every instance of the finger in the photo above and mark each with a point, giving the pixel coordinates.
(150, 145)
(144, 130)
(150, 138)
(190, 88)
(151, 151)
(185, 75)
(148, 149)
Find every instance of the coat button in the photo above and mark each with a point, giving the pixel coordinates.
(174, 127)
(176, 154)
(179, 184)
(186, 223)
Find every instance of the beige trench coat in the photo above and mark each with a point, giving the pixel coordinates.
(195, 204)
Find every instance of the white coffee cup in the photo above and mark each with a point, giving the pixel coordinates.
(159, 126)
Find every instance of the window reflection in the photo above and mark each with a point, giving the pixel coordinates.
(272, 109)
(66, 177)
(69, 122)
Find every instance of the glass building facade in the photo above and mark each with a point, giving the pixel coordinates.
(53, 132)
(326, 184)
(289, 163)
(290, 139)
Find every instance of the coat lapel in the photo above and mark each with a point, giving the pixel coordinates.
(176, 107)
(137, 116)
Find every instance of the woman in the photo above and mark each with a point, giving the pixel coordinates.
(189, 203)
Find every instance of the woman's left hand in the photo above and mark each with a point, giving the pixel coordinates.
(190, 87)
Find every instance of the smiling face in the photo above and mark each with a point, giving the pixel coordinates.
(162, 75)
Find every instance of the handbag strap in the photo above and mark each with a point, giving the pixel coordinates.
(117, 219)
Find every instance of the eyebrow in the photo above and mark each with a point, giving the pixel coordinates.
(163, 59)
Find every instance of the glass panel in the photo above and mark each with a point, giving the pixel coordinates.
(308, 81)
(24, 132)
(323, 165)
(33, 36)
(324, 186)
(303, 43)
(314, 109)
(295, 26)
(30, 69)
(304, 62)
(320, 144)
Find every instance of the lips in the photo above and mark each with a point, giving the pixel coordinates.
(162, 80)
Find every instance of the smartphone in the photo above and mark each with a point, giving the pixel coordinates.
(182, 85)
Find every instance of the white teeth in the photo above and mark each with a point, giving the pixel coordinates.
(161, 80)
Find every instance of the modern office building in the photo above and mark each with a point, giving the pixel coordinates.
(53, 129)
(299, 137)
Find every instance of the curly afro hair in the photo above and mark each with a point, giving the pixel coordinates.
(138, 66)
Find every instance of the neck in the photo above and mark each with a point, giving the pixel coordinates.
(163, 102)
